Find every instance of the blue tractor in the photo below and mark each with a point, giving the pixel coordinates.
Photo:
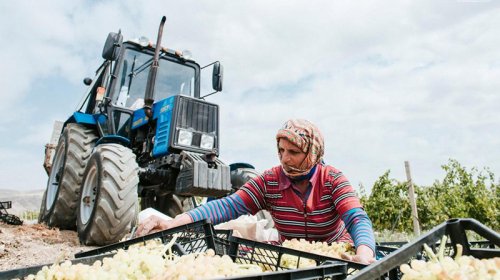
(142, 137)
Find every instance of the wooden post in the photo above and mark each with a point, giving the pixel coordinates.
(413, 202)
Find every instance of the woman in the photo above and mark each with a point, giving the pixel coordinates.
(306, 198)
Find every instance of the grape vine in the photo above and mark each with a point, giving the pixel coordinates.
(462, 193)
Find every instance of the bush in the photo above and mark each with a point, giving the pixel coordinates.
(461, 194)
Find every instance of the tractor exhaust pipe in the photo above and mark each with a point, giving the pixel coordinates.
(150, 86)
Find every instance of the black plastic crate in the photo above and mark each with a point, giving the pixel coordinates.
(194, 237)
(21, 273)
(352, 267)
(456, 231)
(328, 270)
(385, 248)
(270, 258)
(191, 238)
(395, 244)
(221, 239)
(382, 251)
(325, 269)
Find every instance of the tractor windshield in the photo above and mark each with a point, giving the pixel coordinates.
(172, 78)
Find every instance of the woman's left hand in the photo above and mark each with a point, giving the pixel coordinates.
(359, 258)
(363, 255)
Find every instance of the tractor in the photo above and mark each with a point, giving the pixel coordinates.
(143, 136)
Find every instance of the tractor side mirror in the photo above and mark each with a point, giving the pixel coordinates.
(112, 46)
(87, 81)
(217, 76)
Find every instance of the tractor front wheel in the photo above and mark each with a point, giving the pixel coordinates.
(58, 208)
(108, 199)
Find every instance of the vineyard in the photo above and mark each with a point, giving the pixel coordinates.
(462, 193)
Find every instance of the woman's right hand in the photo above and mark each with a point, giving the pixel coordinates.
(152, 224)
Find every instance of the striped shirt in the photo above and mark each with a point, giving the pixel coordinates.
(331, 212)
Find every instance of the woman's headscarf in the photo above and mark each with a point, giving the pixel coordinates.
(307, 137)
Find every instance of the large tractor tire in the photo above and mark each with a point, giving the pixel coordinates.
(167, 203)
(108, 201)
(42, 207)
(173, 205)
(60, 200)
(240, 176)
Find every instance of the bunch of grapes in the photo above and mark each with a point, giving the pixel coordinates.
(152, 260)
(205, 266)
(138, 262)
(440, 267)
(335, 249)
(293, 262)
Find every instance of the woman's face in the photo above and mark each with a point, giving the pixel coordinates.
(290, 154)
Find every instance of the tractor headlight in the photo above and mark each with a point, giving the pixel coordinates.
(143, 41)
(207, 141)
(186, 54)
(185, 137)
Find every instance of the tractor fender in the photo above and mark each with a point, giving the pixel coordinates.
(236, 165)
(81, 118)
(113, 139)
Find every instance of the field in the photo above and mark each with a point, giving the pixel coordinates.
(35, 244)
(22, 202)
(32, 244)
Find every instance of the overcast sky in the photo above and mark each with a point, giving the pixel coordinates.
(386, 81)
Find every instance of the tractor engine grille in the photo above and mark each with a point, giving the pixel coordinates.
(200, 118)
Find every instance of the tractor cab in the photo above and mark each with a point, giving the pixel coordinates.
(118, 94)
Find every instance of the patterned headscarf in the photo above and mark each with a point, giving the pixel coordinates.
(307, 137)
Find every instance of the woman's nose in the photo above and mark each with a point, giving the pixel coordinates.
(285, 157)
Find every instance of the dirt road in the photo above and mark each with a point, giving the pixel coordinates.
(35, 244)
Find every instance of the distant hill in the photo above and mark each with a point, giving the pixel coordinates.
(22, 201)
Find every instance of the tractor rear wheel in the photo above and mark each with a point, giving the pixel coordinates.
(240, 176)
(60, 200)
(108, 201)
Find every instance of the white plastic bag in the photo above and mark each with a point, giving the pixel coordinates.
(249, 227)
(144, 214)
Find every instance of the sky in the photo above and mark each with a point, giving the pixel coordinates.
(385, 81)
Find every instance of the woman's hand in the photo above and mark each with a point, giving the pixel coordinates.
(363, 255)
(152, 224)
(358, 258)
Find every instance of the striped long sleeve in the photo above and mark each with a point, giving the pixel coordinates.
(359, 226)
(220, 210)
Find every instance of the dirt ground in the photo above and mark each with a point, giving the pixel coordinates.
(36, 244)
